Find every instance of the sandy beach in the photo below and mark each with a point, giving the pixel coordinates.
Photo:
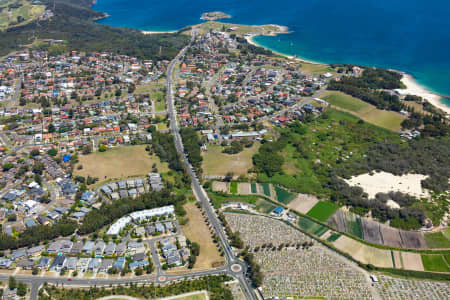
(414, 88)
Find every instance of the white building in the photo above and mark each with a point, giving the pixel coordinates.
(120, 224)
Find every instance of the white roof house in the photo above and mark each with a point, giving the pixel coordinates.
(138, 216)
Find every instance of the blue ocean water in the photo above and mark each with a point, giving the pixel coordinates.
(411, 36)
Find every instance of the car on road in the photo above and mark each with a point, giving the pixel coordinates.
(69, 279)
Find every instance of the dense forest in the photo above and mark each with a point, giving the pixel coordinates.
(73, 22)
(336, 145)
(192, 146)
(368, 87)
(215, 286)
(35, 235)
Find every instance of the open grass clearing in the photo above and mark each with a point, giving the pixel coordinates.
(197, 231)
(367, 112)
(436, 240)
(25, 10)
(446, 232)
(313, 68)
(434, 263)
(323, 210)
(119, 162)
(322, 144)
(217, 163)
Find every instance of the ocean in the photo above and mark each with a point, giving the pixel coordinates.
(412, 36)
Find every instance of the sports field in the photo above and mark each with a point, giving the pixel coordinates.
(119, 162)
(369, 113)
(197, 231)
(323, 210)
(217, 163)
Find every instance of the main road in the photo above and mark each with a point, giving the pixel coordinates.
(200, 194)
(233, 267)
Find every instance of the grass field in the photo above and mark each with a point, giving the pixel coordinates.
(446, 232)
(434, 263)
(25, 10)
(323, 210)
(312, 227)
(233, 187)
(436, 240)
(447, 258)
(369, 113)
(316, 68)
(119, 162)
(284, 196)
(197, 231)
(217, 163)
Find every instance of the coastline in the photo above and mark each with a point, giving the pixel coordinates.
(414, 88)
(291, 57)
(158, 32)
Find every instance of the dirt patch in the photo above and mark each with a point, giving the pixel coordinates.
(371, 231)
(391, 236)
(413, 239)
(363, 253)
(197, 231)
(219, 186)
(303, 203)
(244, 188)
(398, 260)
(412, 261)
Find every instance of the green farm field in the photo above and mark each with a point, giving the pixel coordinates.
(323, 210)
(436, 240)
(312, 227)
(434, 263)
